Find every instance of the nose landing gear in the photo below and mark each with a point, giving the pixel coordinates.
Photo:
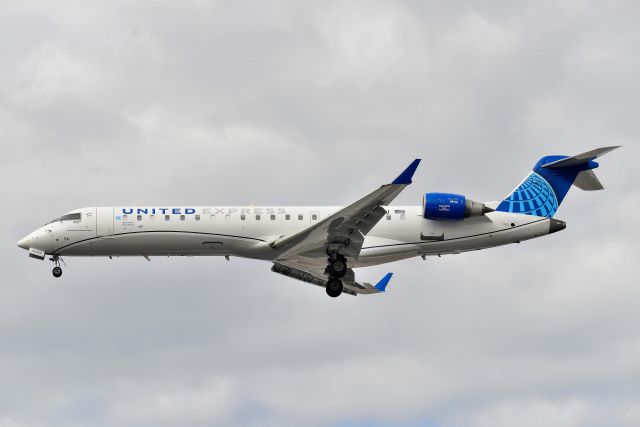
(57, 270)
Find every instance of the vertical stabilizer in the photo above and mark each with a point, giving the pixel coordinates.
(544, 189)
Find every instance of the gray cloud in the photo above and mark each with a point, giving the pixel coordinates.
(278, 103)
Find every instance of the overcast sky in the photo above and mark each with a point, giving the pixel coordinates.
(318, 103)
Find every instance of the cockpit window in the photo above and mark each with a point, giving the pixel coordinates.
(68, 217)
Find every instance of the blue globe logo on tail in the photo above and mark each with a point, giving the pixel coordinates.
(533, 197)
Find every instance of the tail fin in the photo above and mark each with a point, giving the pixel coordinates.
(542, 191)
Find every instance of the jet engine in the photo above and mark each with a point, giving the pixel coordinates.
(451, 207)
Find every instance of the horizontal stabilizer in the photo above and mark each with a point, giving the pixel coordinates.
(588, 181)
(579, 159)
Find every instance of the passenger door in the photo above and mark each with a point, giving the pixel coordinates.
(104, 222)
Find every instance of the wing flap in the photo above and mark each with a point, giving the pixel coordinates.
(350, 285)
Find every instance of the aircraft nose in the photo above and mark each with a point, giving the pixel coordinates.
(24, 243)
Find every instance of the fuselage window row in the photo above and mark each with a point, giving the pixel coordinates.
(243, 217)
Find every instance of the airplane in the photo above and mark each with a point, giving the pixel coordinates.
(322, 245)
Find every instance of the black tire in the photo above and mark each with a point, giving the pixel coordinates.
(57, 272)
(334, 287)
(338, 267)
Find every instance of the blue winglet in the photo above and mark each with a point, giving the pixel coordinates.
(382, 284)
(405, 177)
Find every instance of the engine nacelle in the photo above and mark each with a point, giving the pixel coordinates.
(451, 207)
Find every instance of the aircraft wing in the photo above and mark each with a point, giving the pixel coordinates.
(344, 231)
(315, 276)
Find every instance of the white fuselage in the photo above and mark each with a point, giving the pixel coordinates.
(247, 232)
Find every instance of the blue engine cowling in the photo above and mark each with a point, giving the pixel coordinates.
(451, 207)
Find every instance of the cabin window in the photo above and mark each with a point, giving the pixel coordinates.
(388, 217)
(243, 217)
(139, 217)
(273, 217)
(300, 217)
(181, 217)
(257, 217)
(197, 217)
(287, 217)
(314, 217)
(167, 217)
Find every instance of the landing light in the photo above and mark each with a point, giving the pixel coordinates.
(36, 253)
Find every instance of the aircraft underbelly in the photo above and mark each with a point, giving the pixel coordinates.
(159, 243)
(379, 250)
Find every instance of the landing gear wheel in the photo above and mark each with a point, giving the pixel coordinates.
(57, 272)
(338, 266)
(334, 287)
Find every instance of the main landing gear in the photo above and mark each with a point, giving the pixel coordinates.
(334, 287)
(337, 266)
(337, 269)
(57, 270)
